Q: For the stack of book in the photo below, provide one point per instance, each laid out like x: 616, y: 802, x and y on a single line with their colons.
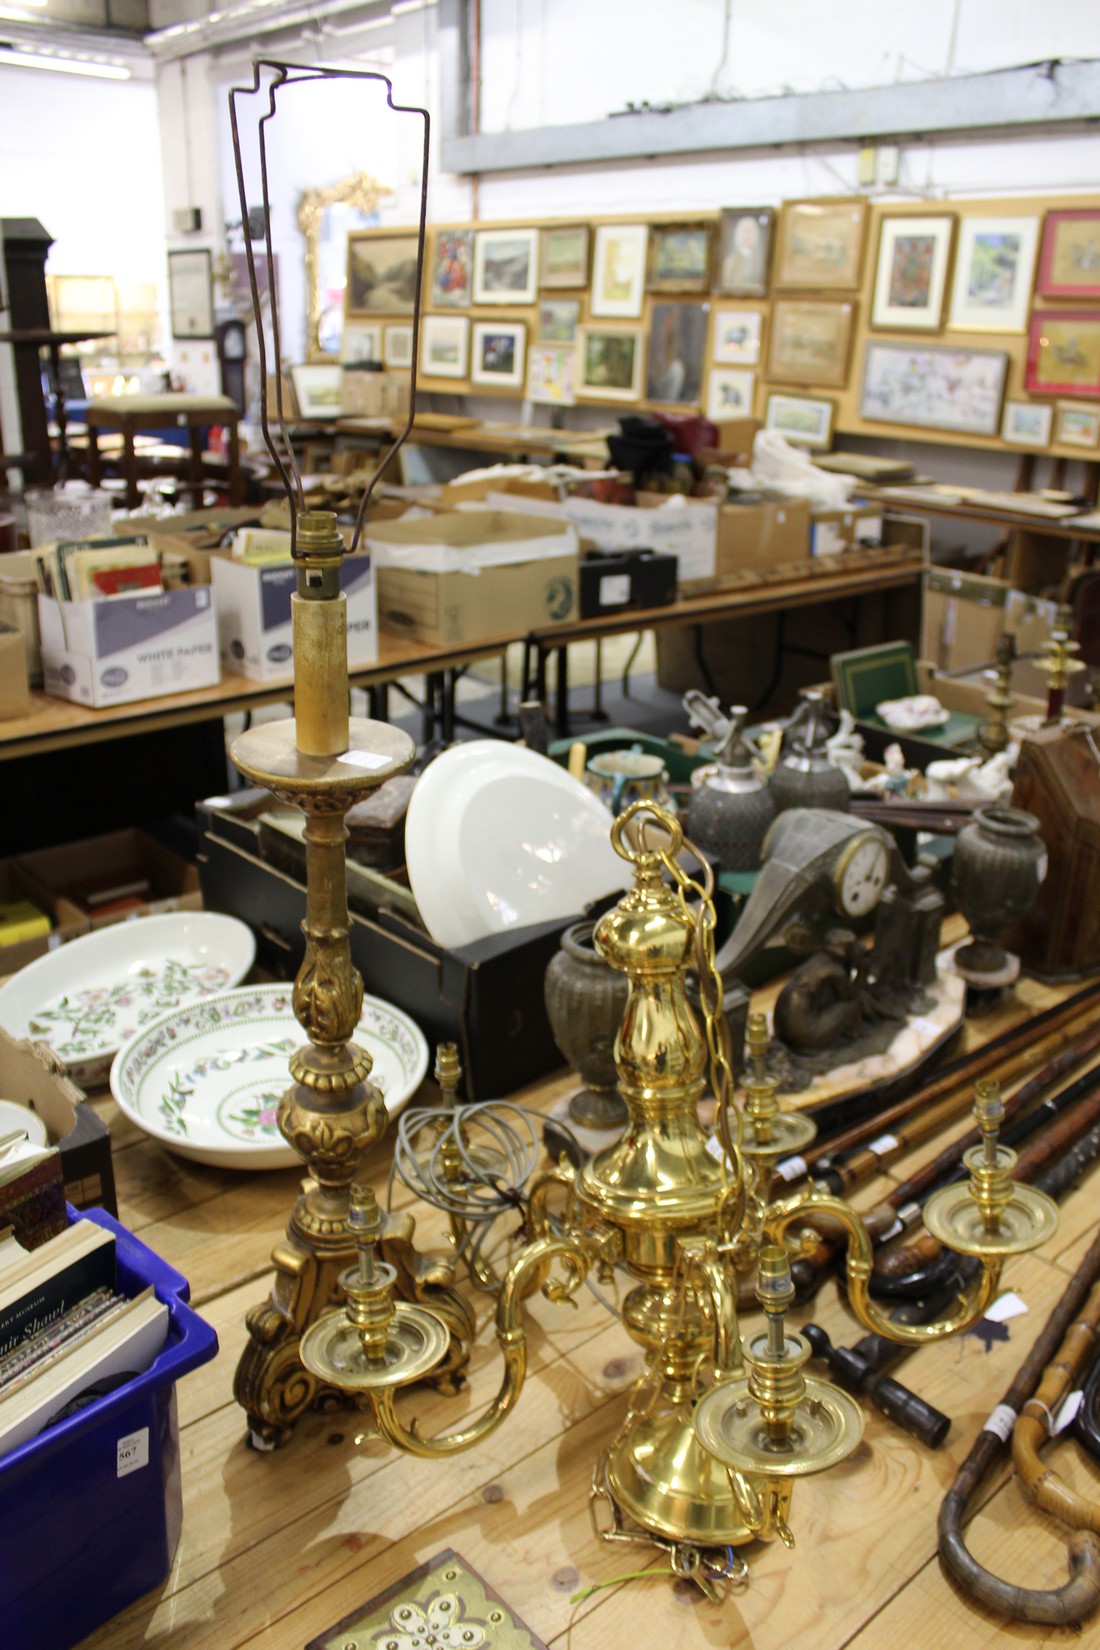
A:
x: 81, y: 570
x: 67, y: 1336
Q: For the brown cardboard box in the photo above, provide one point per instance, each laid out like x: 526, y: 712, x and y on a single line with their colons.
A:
x: 367, y: 394
x: 49, y: 874
x: 31, y: 1077
x: 496, y: 480
x: 473, y: 574
x: 15, y: 699
x: 963, y: 618
x: 834, y: 531
x: 66, y: 922
x: 758, y: 538
x: 735, y: 440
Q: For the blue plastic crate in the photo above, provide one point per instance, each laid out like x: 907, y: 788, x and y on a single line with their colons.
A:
x: 90, y: 1512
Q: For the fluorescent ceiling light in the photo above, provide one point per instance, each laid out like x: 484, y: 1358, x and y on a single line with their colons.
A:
x: 64, y: 65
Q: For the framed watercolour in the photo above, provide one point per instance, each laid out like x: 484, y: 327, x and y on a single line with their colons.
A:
x: 1063, y: 352
x: 563, y: 255
x: 744, y: 251
x: 397, y: 346
x: 444, y: 346
x: 318, y: 390
x: 821, y: 244
x: 505, y: 267
x: 191, y: 294
x: 810, y: 342
x: 618, y: 271
x: 559, y: 319
x: 994, y: 265
x: 1027, y: 424
x: 737, y: 336
x: 361, y: 341
x: 609, y: 363
x: 381, y: 272
x: 729, y: 392
x: 498, y: 354
x: 676, y: 354
x: 934, y: 386
x: 679, y: 257
x: 803, y: 420
x: 452, y: 268
x: 1077, y: 426
x: 551, y: 374
x: 911, y: 274
x: 1069, y: 264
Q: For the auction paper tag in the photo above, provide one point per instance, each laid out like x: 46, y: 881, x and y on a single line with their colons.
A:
x: 365, y: 759
x: 791, y: 1168
x: 885, y: 1143
x: 1001, y: 1422
x: 132, y: 1452
x: 1005, y: 1307
x: 614, y: 589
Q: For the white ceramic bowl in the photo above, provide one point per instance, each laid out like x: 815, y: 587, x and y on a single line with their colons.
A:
x: 206, y: 1080
x: 86, y: 998
x: 498, y: 837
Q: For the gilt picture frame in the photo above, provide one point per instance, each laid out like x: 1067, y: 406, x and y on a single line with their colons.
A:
x: 445, y: 346
x: 505, y: 266
x: 744, y: 252
x: 609, y: 363
x: 810, y: 342
x: 911, y: 274
x: 1063, y: 352
x: 618, y: 271
x: 1069, y: 262
x: 821, y: 245
x: 803, y: 420
x: 381, y: 272
x: 994, y: 270
x: 499, y: 354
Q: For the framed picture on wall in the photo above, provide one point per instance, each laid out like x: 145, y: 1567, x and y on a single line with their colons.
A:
x: 559, y: 319
x: 1027, y: 423
x: 744, y: 251
x: 933, y: 385
x: 1069, y: 264
x: 1063, y: 352
x: 730, y: 392
x: 563, y: 255
x: 444, y: 346
x: 618, y: 270
x: 994, y: 266
x: 609, y: 363
x: 397, y: 345
x: 911, y: 274
x: 821, y: 244
x: 504, y: 266
x: 498, y: 354
x: 191, y: 294
x: 803, y: 420
x: 381, y: 277
x: 737, y: 336
x: 452, y: 268
x: 679, y: 258
x: 810, y: 342
x: 551, y: 374
x: 1077, y: 426
x: 676, y: 353
x: 361, y: 342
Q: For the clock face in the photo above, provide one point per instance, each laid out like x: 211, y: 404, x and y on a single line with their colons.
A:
x: 861, y: 876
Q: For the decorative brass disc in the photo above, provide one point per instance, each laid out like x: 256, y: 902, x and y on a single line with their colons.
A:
x: 416, y: 1342
x: 952, y: 1216
x: 826, y: 1428
x: 791, y: 1131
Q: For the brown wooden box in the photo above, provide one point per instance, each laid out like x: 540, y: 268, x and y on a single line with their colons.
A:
x: 1058, y: 780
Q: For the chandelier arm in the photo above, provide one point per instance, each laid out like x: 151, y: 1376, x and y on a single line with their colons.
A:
x: 972, y: 1303
x: 716, y: 1276
x: 512, y: 1338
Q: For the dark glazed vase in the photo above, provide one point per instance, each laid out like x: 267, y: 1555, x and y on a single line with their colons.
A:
x: 585, y: 1001
x: 999, y: 864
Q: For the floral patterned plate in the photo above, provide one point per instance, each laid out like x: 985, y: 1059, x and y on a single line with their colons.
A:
x: 86, y: 998
x: 205, y: 1080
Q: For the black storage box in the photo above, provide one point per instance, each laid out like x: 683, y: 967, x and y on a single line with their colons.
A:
x: 486, y: 997
x: 612, y: 581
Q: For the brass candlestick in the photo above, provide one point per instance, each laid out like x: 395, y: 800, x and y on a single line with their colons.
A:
x: 1060, y: 662
x: 994, y: 735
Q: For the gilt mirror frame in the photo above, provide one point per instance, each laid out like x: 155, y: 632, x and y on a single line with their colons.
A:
x: 361, y: 192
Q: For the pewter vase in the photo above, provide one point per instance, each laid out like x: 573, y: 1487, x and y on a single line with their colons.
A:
x: 585, y: 1002
x: 999, y: 864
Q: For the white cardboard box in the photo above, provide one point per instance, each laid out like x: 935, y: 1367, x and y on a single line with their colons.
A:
x: 121, y: 648
x: 254, y: 623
